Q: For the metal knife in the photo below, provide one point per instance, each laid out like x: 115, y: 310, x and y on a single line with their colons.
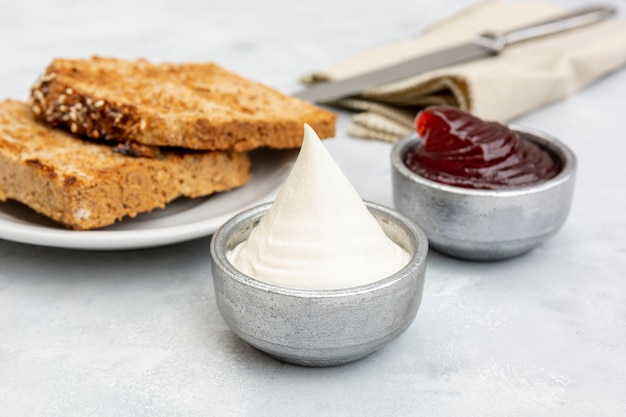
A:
x: 484, y: 45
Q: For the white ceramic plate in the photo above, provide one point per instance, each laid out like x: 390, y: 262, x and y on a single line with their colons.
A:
x: 181, y: 220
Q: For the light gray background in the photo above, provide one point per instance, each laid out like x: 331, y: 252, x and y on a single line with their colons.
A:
x: 137, y: 333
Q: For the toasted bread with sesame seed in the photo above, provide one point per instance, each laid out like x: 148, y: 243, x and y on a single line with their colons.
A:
x: 190, y: 105
x: 86, y: 185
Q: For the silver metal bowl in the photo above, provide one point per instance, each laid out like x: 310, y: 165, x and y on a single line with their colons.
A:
x: 319, y: 327
x: 486, y: 224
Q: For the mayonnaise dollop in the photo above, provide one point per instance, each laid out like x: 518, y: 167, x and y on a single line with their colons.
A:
x: 318, y: 234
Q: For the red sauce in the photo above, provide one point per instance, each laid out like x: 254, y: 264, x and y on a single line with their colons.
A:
x: 461, y: 150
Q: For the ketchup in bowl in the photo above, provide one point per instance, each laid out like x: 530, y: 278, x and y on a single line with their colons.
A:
x: 462, y: 150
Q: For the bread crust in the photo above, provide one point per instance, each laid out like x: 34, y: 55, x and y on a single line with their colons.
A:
x: 192, y: 105
x: 85, y: 185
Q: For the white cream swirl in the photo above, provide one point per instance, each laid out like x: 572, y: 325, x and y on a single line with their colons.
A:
x: 318, y: 234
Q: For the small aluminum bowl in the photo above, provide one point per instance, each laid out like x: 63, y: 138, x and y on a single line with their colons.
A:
x: 319, y: 327
x: 485, y: 224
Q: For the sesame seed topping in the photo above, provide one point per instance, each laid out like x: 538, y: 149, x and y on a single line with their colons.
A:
x: 38, y: 95
x: 48, y: 77
x: 74, y: 127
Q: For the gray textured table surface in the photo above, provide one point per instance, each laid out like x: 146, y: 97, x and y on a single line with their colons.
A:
x: 137, y: 332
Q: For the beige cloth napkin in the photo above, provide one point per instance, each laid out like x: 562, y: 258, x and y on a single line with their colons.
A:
x: 523, y: 77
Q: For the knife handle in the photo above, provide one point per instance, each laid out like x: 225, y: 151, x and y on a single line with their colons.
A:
x: 568, y: 21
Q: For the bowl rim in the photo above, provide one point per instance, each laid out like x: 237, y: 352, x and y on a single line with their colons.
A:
x: 543, y: 139
x: 218, y: 256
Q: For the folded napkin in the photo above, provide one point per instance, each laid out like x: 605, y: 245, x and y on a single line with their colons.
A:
x: 523, y: 77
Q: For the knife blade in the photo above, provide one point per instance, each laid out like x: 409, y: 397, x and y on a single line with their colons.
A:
x: 482, y: 46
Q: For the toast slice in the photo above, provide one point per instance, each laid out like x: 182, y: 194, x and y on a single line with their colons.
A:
x: 191, y: 105
x: 86, y: 185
